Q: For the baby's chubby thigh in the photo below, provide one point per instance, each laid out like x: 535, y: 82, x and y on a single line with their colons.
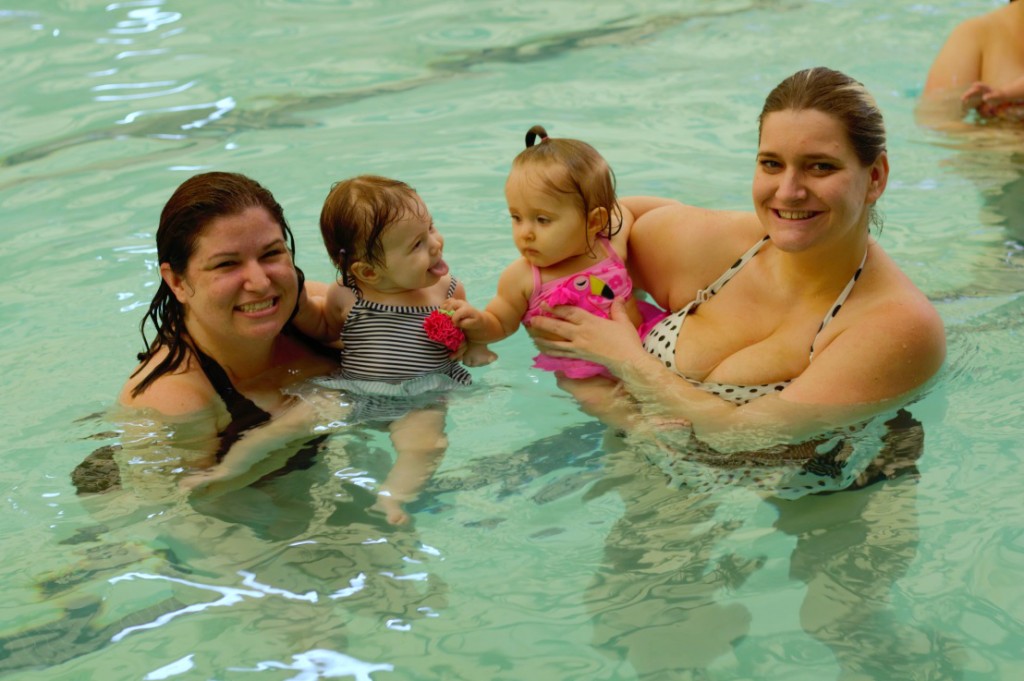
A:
x: 601, y: 397
x: 421, y: 432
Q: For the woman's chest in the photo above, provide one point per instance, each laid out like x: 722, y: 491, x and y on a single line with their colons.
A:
x: 744, y: 344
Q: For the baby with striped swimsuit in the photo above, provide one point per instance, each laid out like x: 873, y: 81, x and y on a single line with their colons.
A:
x: 381, y: 237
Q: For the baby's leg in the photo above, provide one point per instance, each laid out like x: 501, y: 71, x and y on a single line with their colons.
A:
x: 420, y: 443
x: 602, y: 398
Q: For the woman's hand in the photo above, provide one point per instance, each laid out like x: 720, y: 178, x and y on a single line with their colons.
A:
x: 611, y: 342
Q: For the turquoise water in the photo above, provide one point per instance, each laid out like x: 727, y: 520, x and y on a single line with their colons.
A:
x: 537, y: 552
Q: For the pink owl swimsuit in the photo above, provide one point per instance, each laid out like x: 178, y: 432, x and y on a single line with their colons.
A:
x: 592, y: 289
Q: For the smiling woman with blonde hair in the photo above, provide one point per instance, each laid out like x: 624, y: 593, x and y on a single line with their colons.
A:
x: 787, y: 321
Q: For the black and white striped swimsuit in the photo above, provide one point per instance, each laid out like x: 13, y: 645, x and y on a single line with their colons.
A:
x: 661, y: 340
x: 387, y: 352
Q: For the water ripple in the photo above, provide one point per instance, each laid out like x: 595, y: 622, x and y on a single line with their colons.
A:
x: 142, y: 20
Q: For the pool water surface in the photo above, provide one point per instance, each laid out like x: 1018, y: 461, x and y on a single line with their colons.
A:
x: 543, y: 548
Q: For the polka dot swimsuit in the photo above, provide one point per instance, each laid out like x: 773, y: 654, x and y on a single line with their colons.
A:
x: 661, y: 340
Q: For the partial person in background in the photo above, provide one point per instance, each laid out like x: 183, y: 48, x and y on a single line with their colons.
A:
x: 979, y: 69
x: 974, y: 94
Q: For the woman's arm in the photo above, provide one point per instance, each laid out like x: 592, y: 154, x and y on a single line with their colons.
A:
x: 958, y: 63
x: 183, y: 393
x: 260, y: 450
x: 676, y: 249
x: 955, y: 69
x: 637, y: 206
x: 876, y: 363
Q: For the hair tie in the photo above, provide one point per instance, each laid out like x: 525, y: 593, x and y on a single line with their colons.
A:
x: 535, y: 132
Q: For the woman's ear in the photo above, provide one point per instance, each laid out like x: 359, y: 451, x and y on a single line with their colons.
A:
x: 879, y: 174
x: 179, y: 287
x: 597, y: 220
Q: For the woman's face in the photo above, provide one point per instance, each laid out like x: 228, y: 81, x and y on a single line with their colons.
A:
x: 240, y: 280
x: 809, y: 186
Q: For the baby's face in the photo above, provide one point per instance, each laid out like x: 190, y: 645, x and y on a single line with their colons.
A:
x: 413, y: 250
x: 548, y: 227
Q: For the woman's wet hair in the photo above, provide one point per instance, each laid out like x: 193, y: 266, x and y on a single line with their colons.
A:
x: 354, y: 216
x: 838, y: 95
x: 196, y: 203
x: 576, y: 169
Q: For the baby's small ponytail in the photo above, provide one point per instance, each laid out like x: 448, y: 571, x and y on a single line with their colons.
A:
x: 533, y: 133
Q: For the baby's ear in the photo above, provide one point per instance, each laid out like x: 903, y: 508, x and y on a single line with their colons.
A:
x: 597, y: 220
x: 364, y: 272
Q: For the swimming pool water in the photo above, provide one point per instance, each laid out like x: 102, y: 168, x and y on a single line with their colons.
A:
x: 540, y: 550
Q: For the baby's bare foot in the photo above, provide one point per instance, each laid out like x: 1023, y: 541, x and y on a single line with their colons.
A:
x: 392, y: 509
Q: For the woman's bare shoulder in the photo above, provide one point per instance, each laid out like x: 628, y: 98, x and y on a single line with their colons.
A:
x: 686, y: 225
x: 181, y: 392
x: 676, y: 249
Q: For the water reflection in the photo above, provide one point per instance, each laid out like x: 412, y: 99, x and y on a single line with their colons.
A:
x: 299, y: 554
x: 992, y: 159
x: 676, y: 594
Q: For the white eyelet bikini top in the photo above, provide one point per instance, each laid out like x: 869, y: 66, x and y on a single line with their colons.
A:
x: 661, y: 340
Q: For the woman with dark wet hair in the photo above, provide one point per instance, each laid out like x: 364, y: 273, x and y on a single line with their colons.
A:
x: 224, y: 349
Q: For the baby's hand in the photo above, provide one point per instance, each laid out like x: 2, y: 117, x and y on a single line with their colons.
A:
x: 477, y: 355
x: 464, y: 315
x: 992, y: 102
x: 1004, y: 103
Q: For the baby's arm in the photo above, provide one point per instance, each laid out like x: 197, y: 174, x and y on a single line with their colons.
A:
x: 474, y: 354
x: 501, y: 317
x: 322, y: 317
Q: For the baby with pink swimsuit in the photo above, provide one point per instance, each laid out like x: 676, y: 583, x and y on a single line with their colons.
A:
x: 568, y: 228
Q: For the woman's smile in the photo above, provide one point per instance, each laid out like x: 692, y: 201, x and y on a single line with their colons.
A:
x: 795, y: 214
x: 260, y: 308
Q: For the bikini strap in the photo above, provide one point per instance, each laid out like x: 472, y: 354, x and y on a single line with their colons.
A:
x: 834, y: 310
x: 705, y: 294
x: 609, y: 252
x: 244, y: 412
x: 536, y: 278
x: 451, y: 286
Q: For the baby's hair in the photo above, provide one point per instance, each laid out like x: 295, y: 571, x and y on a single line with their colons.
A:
x: 577, y: 170
x: 355, y: 214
